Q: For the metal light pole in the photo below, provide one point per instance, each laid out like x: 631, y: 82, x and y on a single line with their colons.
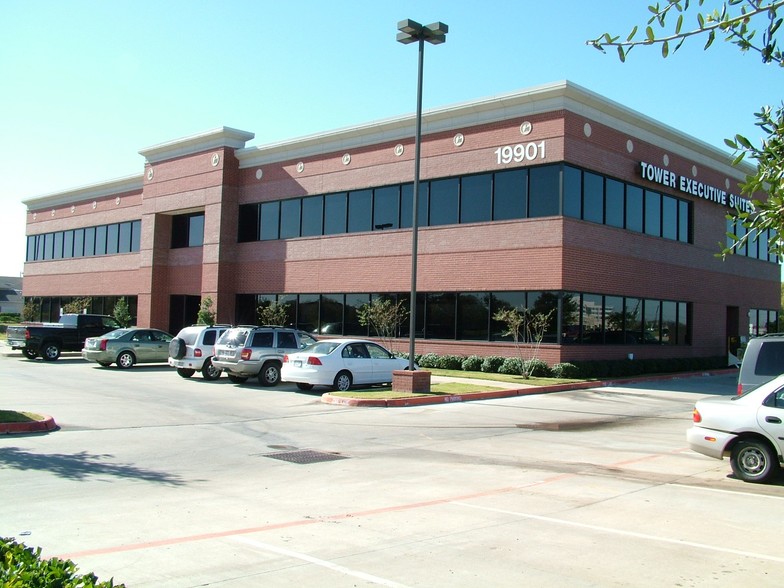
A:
x: 435, y: 34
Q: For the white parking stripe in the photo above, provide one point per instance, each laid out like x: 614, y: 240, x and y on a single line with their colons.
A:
x: 319, y: 562
x: 625, y: 533
x: 753, y: 495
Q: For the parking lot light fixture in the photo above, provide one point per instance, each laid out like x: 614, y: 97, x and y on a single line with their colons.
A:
x: 411, y: 31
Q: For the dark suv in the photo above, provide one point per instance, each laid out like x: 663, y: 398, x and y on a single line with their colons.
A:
x: 247, y: 351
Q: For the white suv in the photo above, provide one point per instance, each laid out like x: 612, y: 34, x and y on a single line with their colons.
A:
x: 192, y: 350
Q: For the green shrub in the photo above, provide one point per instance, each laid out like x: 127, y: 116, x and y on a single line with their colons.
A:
x: 23, y: 567
x: 450, y: 362
x: 10, y: 317
x: 491, y: 364
x: 565, y: 371
x: 511, y: 366
x: 537, y: 368
x: 428, y: 360
x: 472, y: 364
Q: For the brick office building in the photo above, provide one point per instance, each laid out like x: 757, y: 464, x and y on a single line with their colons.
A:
x: 553, y: 198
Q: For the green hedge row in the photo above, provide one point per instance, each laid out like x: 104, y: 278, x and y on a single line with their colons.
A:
x: 579, y: 369
x: 23, y: 567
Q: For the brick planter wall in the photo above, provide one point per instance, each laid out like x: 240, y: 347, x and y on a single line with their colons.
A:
x: 407, y: 381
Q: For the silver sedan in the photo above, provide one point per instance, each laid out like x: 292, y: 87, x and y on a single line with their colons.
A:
x: 127, y: 347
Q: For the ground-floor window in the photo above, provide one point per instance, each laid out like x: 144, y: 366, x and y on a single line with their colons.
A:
x: 762, y: 321
x: 49, y: 308
x: 574, y: 318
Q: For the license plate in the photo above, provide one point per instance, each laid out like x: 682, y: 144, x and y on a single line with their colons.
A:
x: 298, y: 363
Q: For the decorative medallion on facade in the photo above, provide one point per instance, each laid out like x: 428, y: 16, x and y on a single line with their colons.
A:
x: 458, y: 140
x: 73, y: 209
x: 399, y: 149
x: 117, y: 201
x: 666, y: 160
x: 300, y: 167
x: 526, y: 128
x: 629, y: 146
x: 259, y: 174
x: 346, y: 158
x: 150, y: 174
x: 215, y: 160
x: 94, y: 204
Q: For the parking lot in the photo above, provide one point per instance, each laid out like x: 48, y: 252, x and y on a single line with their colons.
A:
x: 159, y: 481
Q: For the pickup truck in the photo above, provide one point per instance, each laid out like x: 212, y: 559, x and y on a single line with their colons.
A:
x: 49, y: 339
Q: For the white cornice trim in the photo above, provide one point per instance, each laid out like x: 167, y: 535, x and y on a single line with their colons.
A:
x: 563, y: 95
x: 220, y: 137
x: 92, y: 191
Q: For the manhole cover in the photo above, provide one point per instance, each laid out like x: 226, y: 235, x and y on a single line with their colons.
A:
x: 304, y: 456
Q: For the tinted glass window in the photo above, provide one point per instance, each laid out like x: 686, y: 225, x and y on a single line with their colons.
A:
x: 359, y: 211
x: 440, y: 316
x: 312, y: 215
x: 503, y: 301
x: 100, y: 240
x: 262, y: 339
x: 112, y: 238
x: 510, y: 194
x: 475, y: 193
x: 614, y: 211
x: 209, y: 338
x: 125, y: 238
x: 592, y: 318
x: 331, y: 322
x: 351, y: 322
x: 444, y: 202
x: 335, y: 212
x: 196, y: 230
x: 544, y: 191
x: 308, y: 312
x: 406, y: 211
x: 473, y: 316
x: 270, y: 221
x: 136, y: 235
x: 572, y: 205
x: 683, y: 221
x: 58, y: 245
x: 287, y: 340
x: 289, y: 218
x: 89, y: 241
x: 386, y: 208
x: 593, y: 197
x: 669, y: 218
x: 30, y: 248
x: 634, y: 208
x: 248, y: 223
x: 68, y: 237
x: 770, y: 360
x: 653, y: 213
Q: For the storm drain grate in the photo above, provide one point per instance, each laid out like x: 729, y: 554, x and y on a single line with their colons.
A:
x: 305, y: 456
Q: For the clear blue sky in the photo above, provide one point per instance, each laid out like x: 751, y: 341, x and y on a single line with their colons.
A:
x: 87, y: 84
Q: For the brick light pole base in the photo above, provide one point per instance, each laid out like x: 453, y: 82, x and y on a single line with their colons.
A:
x: 406, y: 381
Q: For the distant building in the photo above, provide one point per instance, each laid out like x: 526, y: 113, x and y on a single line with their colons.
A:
x: 11, y: 300
x: 553, y: 198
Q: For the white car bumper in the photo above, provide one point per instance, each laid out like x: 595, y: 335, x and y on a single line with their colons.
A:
x: 708, y: 441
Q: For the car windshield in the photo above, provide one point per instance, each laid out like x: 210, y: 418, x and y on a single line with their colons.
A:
x: 323, y: 348
x: 234, y: 337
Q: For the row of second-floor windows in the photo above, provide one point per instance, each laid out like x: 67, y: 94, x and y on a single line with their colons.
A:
x: 756, y: 245
x: 85, y: 242
x: 573, y: 318
x: 549, y: 190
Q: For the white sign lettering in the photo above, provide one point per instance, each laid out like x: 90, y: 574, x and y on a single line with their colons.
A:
x: 520, y: 152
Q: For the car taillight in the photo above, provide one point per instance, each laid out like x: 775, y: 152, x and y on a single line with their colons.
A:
x: 245, y: 354
x: 104, y: 342
x: 286, y: 358
x: 197, y: 352
x: 27, y: 333
x: 314, y: 361
x: 740, y: 388
x: 696, y: 416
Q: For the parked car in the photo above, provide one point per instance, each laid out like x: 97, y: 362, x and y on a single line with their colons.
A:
x: 248, y: 352
x: 127, y: 347
x: 192, y: 350
x: 762, y: 361
x: 49, y: 339
x: 341, y: 363
x: 749, y: 428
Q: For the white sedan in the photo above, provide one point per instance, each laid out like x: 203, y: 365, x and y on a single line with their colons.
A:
x: 749, y: 428
x: 341, y: 363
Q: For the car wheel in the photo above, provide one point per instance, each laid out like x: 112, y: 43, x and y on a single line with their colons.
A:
x: 50, y: 351
x: 237, y: 379
x: 185, y: 372
x: 270, y: 374
x: 342, y: 381
x: 304, y: 386
x: 125, y: 360
x: 30, y: 353
x: 104, y: 363
x: 177, y: 348
x: 753, y: 461
x: 209, y: 371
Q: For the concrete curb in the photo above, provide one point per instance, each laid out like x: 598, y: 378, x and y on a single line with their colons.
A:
x: 42, y: 426
x: 495, y: 394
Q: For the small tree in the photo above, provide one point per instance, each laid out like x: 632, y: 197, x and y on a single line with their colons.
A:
x: 77, y: 305
x: 273, y: 314
x: 525, y: 327
x: 31, y: 310
x: 206, y: 315
x: 384, y: 316
x: 122, y: 313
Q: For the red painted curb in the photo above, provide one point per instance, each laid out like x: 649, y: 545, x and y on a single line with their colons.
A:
x: 47, y: 424
x: 446, y: 399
